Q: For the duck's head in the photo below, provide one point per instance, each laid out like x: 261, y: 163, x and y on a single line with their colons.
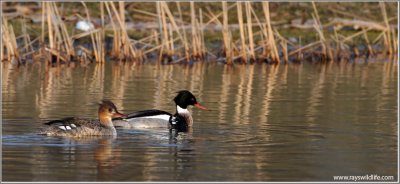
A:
x: 185, y: 98
x: 107, y: 110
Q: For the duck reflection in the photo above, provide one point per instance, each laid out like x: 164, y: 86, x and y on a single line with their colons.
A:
x: 178, y: 137
x: 107, y: 157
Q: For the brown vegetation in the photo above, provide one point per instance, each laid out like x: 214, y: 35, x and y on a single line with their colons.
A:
x: 176, y: 39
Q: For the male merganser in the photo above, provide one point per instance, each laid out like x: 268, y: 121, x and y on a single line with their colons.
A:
x: 153, y: 118
x: 79, y: 127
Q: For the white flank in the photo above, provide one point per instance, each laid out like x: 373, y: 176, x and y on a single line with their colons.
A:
x: 182, y: 110
x: 68, y: 127
x: 73, y: 125
x: 162, y: 116
x: 62, y: 127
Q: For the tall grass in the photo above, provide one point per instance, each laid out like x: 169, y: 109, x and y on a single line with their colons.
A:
x: 9, y: 43
x: 122, y: 48
x: 326, y: 49
x: 226, y: 34
x: 270, y: 49
x: 181, y: 35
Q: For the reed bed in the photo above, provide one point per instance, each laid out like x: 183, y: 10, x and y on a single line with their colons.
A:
x: 9, y: 44
x: 248, y: 35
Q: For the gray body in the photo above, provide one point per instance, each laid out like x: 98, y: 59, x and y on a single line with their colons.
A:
x: 142, y: 123
x: 77, y: 127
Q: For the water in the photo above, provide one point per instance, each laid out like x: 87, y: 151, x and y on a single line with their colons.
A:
x: 267, y: 123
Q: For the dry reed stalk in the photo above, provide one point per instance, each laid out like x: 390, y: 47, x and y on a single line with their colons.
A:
x: 128, y: 50
x: 156, y: 40
x: 27, y: 47
x: 300, y: 54
x: 2, y: 52
x: 58, y: 35
x: 43, y: 21
x: 283, y: 42
x: 116, y: 45
x: 195, y: 40
x: 270, y: 35
x: 215, y: 17
x: 395, y: 41
x: 9, y: 42
x: 203, y: 43
x: 160, y: 55
x: 49, y: 25
x: 243, y: 49
x: 98, y: 46
x: 185, y: 41
x: 250, y: 31
x: 57, y: 54
x: 171, y: 51
x: 226, y: 34
x: 336, y: 39
x: 378, y: 38
x: 349, y: 38
x: 285, y: 51
x: 260, y: 25
x: 356, y: 52
x: 165, y: 37
x: 211, y: 16
x: 85, y: 50
x: 263, y: 32
x: 102, y: 33
x: 194, y: 30
x: 125, y: 39
x: 159, y: 46
x: 199, y: 38
x: 6, y: 44
x: 158, y: 8
x: 24, y: 37
x: 388, y: 40
x: 326, y: 49
x: 370, y: 50
x: 13, y: 42
x: 171, y: 19
x: 308, y: 46
x: 57, y: 32
x: 64, y: 36
x: 153, y: 15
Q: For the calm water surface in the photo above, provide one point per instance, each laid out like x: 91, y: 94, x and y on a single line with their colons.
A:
x: 266, y: 123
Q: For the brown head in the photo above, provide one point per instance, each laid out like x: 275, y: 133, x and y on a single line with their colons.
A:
x: 107, y: 111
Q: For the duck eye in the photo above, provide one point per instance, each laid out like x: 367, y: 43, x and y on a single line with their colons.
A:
x: 110, y: 110
x: 192, y: 99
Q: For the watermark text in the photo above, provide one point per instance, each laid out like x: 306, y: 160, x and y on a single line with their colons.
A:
x: 367, y: 177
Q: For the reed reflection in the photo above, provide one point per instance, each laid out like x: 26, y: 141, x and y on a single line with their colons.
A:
x: 266, y: 121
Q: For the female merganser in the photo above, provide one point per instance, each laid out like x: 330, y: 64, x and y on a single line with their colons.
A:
x: 153, y: 118
x: 79, y: 127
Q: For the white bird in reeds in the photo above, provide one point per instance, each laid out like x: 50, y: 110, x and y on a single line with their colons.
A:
x: 84, y: 25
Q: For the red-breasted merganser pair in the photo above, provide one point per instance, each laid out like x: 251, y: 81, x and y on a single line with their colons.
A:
x: 79, y: 127
x: 181, y: 120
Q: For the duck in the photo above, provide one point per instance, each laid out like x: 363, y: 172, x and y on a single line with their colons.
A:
x: 81, y: 127
x: 181, y: 121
